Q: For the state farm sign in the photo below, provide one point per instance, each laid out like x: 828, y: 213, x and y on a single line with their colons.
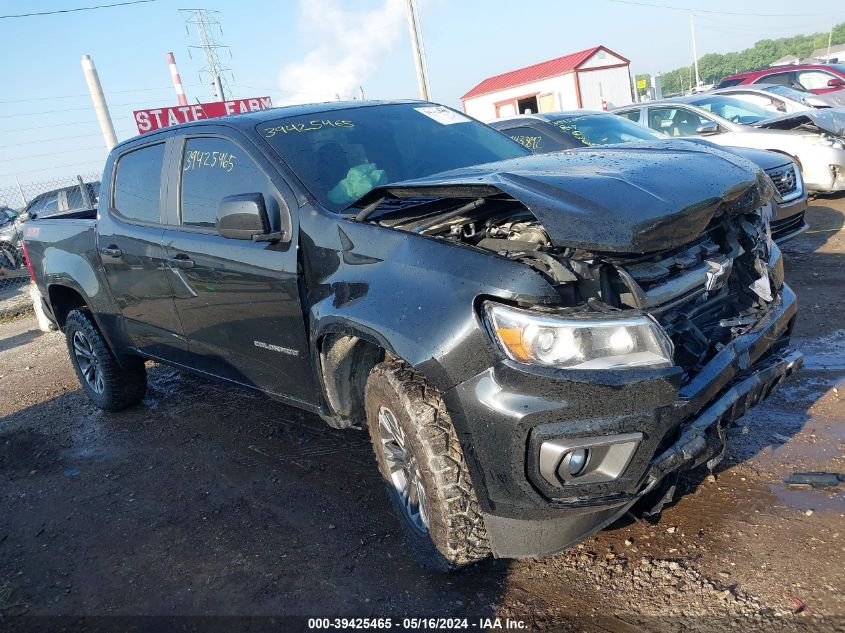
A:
x: 157, y: 118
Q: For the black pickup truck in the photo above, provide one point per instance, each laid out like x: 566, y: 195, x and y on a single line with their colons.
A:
x: 534, y: 342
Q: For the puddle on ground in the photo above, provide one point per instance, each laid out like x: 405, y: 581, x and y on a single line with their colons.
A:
x: 815, y: 499
x: 823, y: 352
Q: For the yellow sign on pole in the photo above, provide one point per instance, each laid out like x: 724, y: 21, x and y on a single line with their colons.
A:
x: 642, y: 84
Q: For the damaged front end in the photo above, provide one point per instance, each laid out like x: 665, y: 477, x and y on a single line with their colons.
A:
x: 673, y: 319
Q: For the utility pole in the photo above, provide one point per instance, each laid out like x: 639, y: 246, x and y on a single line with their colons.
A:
x: 99, y: 100
x: 829, y: 38
x: 177, y: 80
x: 694, y: 52
x: 361, y: 92
x: 418, y: 50
x: 204, y: 22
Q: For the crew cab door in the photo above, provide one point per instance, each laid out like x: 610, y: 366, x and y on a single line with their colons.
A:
x: 237, y: 299
x: 129, y: 232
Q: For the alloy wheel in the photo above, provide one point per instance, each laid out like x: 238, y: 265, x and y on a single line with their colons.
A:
x: 405, y: 474
x: 89, y: 364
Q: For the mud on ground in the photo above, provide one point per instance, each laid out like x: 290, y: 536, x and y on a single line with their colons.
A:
x: 211, y: 500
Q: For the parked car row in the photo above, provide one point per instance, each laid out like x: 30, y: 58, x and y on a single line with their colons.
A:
x: 567, y: 130
x: 820, y: 79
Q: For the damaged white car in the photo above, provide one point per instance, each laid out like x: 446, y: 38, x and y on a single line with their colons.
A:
x: 813, y: 139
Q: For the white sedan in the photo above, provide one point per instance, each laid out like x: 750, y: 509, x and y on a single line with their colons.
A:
x: 730, y: 121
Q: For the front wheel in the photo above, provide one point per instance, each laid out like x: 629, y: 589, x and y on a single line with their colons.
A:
x: 9, y: 258
x: 424, y: 469
x: 110, y: 385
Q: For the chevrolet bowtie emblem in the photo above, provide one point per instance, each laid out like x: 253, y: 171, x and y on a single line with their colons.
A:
x: 717, y: 274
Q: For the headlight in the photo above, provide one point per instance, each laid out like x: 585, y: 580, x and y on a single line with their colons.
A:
x: 829, y: 141
x: 579, y: 343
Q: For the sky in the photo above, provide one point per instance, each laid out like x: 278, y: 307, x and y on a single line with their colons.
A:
x: 312, y: 50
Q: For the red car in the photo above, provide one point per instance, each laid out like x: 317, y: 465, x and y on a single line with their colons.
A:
x: 817, y: 78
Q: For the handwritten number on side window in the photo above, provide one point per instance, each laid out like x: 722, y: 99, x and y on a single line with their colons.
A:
x: 196, y: 159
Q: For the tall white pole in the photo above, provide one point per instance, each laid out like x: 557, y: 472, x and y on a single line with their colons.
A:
x: 694, y: 52
x: 422, y: 80
x: 177, y: 80
x: 99, y: 100
x: 829, y: 38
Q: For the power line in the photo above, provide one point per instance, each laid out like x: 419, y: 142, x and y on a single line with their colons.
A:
x: 99, y: 6
x: 29, y: 171
x: 114, y: 105
x: 48, y: 140
x: 691, y: 10
x: 86, y: 94
x: 65, y: 151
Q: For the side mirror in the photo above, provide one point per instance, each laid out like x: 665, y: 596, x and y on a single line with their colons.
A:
x: 836, y: 82
x: 707, y: 129
x: 243, y: 217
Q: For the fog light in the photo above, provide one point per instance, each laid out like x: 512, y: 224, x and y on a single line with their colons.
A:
x: 577, y: 461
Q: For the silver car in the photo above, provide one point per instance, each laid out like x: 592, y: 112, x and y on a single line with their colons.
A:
x: 781, y: 99
x: 726, y: 120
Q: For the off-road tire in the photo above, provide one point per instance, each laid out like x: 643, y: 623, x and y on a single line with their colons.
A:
x: 124, y: 384
x: 456, y: 536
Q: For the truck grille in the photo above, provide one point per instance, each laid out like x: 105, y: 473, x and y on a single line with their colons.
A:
x: 702, y: 294
x: 786, y: 181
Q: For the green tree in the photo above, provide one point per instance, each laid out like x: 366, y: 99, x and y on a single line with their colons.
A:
x: 713, y: 66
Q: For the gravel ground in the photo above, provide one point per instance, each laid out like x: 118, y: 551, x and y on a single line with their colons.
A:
x: 207, y: 500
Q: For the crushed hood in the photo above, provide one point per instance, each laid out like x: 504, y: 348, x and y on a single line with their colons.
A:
x: 825, y: 120
x: 636, y: 198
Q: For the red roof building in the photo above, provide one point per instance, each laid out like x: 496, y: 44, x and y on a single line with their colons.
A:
x: 593, y: 78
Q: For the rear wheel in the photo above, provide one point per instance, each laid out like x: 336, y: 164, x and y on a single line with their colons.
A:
x: 110, y: 385
x: 424, y: 469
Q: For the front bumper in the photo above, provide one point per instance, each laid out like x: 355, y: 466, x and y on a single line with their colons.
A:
x: 788, y: 218
x: 824, y: 170
x: 505, y: 414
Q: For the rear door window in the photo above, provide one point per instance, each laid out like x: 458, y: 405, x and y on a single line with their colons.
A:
x: 676, y: 122
x: 631, y: 115
x: 814, y: 79
x: 212, y: 169
x: 137, y: 186
x: 783, y: 79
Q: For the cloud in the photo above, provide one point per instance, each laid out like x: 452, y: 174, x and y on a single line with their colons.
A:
x: 348, y: 48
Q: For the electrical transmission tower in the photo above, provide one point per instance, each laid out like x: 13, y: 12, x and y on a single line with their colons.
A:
x: 205, y: 22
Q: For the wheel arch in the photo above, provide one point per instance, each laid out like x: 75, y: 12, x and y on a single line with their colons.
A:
x: 63, y: 299
x: 345, y: 355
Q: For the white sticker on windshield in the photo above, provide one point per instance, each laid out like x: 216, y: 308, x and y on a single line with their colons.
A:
x: 442, y: 114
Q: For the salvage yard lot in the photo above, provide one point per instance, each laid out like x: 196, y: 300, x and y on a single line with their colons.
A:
x: 211, y: 500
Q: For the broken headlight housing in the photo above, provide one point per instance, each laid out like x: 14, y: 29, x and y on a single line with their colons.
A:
x: 831, y: 141
x: 598, y: 342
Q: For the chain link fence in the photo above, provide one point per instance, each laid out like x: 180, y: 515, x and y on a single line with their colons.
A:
x: 43, y: 198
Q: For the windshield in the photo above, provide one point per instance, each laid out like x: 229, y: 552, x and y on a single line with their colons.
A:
x: 733, y: 109
x: 603, y: 129
x: 789, y: 93
x: 340, y: 155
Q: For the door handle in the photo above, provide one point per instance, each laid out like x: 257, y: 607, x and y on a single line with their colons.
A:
x: 113, y: 251
x: 182, y: 261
